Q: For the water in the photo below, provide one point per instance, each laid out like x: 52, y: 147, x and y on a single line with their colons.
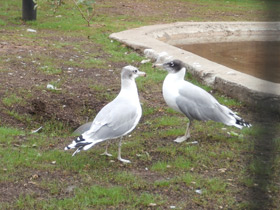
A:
x: 250, y: 57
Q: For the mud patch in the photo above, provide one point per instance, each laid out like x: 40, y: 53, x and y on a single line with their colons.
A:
x: 35, y: 183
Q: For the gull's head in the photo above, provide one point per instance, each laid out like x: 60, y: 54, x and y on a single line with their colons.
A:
x: 131, y: 72
x: 173, y: 66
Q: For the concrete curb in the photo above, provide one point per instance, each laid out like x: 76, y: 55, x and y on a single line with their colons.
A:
x: 246, y: 88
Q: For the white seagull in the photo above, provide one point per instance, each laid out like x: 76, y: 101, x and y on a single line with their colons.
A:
x: 116, y: 119
x: 193, y: 101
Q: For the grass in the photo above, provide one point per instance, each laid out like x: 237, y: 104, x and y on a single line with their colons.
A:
x: 11, y: 100
x: 27, y: 119
x: 95, y: 62
x: 50, y: 70
x: 125, y: 178
x: 41, y: 175
x: 93, y: 197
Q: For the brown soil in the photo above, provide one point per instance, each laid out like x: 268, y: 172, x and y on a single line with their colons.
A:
x: 22, y: 76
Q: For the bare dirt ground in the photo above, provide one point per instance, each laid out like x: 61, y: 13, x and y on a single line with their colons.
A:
x: 45, y: 104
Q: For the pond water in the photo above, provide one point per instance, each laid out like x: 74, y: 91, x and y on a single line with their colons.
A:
x: 257, y: 58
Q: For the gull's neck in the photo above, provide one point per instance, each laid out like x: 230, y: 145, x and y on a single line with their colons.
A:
x: 180, y: 75
x: 170, y: 88
x: 128, y: 87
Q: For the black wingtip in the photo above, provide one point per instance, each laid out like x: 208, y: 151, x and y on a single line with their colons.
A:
x: 243, y: 123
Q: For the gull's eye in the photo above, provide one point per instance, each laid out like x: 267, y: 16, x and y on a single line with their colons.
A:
x: 171, y: 64
x: 135, y: 71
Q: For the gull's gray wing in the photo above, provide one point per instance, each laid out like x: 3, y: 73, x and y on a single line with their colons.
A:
x: 198, y: 104
x: 83, y: 128
x: 115, y: 119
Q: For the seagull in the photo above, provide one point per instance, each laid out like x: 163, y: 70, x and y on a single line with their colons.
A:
x: 116, y: 119
x: 194, y: 102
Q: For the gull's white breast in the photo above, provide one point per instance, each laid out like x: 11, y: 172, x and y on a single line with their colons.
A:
x: 170, y: 91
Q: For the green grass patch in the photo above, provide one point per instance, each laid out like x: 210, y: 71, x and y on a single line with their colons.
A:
x: 27, y: 119
x: 128, y: 179
x: 162, y: 183
x: 2, y: 22
x: 49, y: 70
x: 96, y: 62
x: 9, y: 133
x: 168, y: 121
x: 96, y: 196
x: 97, y: 87
x: 12, y: 99
x: 172, y: 132
x: 179, y: 163
x: 148, y: 110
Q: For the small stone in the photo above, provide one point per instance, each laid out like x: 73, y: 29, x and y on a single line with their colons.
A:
x: 193, y: 142
x: 152, y: 204
x: 49, y: 86
x: 31, y: 30
x: 222, y: 170
x: 145, y: 61
x: 198, y: 191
